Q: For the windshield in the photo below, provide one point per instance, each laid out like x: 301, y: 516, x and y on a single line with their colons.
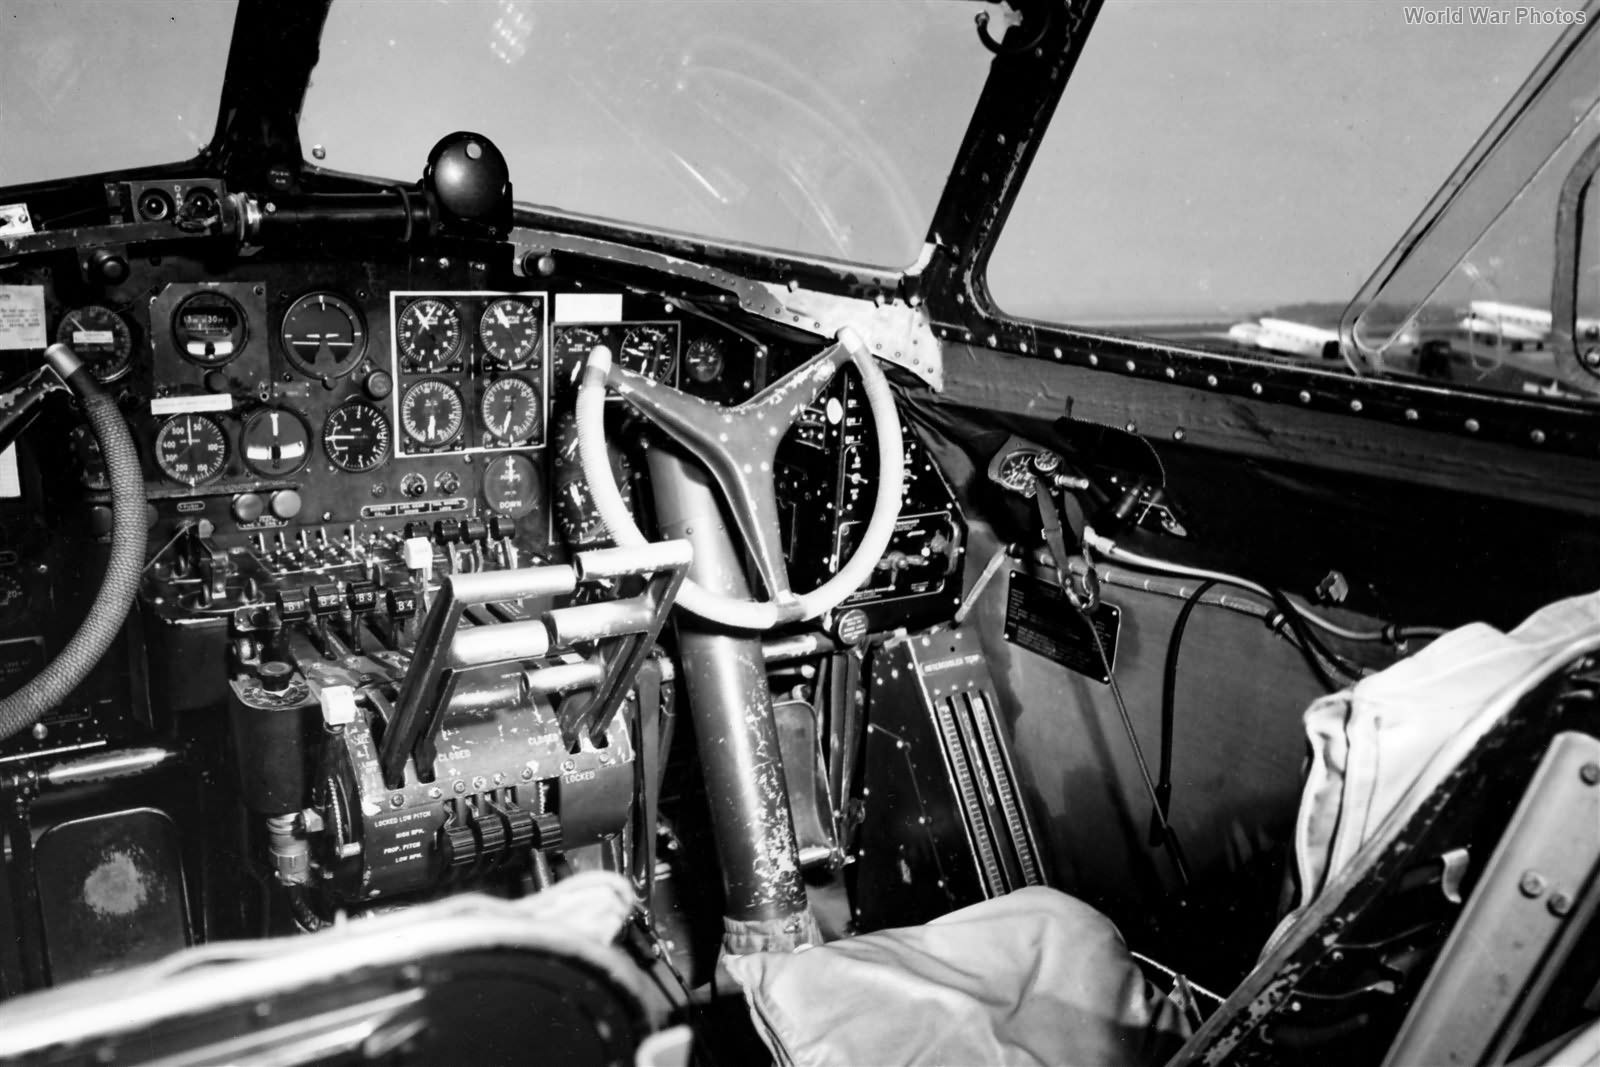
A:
x: 1232, y: 172
x: 89, y: 87
x: 819, y: 128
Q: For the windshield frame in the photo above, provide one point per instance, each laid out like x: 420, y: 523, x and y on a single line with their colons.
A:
x: 257, y: 147
x: 1009, y: 124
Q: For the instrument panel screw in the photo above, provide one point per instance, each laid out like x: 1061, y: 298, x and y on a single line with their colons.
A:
x: 527, y: 774
x: 1537, y: 437
x: 398, y: 800
x: 460, y: 786
x: 1559, y: 904
x: 498, y: 778
x: 1591, y: 358
x: 568, y: 765
x: 1178, y: 434
x: 1532, y: 884
x: 1590, y: 773
x: 479, y: 782
x: 435, y: 793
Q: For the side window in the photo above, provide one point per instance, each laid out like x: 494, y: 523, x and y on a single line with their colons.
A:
x: 1228, y: 174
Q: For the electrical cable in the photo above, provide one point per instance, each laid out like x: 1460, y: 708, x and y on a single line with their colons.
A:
x: 1169, y: 687
x: 1169, y: 836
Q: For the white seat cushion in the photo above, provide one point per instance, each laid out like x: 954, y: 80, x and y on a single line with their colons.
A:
x: 1033, y: 978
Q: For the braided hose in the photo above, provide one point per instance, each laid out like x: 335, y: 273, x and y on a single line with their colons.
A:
x: 120, y: 585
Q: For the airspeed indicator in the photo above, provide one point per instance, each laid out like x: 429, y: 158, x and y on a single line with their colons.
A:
x: 191, y: 449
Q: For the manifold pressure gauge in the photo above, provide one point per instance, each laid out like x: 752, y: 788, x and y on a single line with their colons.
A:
x: 431, y: 413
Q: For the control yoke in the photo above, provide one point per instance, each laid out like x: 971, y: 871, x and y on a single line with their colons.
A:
x: 622, y: 631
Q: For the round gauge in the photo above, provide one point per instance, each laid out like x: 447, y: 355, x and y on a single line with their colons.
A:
x: 356, y: 437
x: 275, y: 443
x: 191, y: 449
x: 571, y: 348
x: 209, y: 329
x: 101, y: 338
x: 703, y: 360
x: 13, y: 598
x: 323, y: 335
x: 511, y: 486
x: 1016, y: 472
x: 649, y: 350
x: 575, y: 511
x: 431, y: 412
x: 510, y: 410
x: 509, y: 331
x: 429, y: 334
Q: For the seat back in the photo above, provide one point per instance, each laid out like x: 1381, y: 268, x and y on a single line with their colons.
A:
x: 1407, y: 947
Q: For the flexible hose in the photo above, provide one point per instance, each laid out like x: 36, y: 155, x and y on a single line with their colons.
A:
x: 1388, y: 634
x: 120, y: 586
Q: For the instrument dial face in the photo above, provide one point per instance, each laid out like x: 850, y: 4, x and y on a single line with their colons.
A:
x: 13, y: 598
x: 209, y: 329
x: 571, y: 352
x: 356, y: 437
x: 1016, y: 472
x: 101, y: 338
x: 575, y: 511
x: 649, y: 350
x: 323, y: 335
x: 703, y: 360
x: 510, y: 330
x: 510, y: 411
x: 512, y: 486
x: 191, y: 449
x: 429, y: 334
x: 431, y: 413
x: 275, y: 443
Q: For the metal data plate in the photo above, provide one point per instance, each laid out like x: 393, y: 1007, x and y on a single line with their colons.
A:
x: 1041, y: 619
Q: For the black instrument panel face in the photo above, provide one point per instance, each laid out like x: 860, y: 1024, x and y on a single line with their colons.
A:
x: 329, y: 396
x: 470, y: 371
x: 650, y: 348
x: 321, y: 398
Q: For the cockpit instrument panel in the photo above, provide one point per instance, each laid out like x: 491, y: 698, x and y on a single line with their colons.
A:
x: 471, y: 372
x: 648, y: 348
